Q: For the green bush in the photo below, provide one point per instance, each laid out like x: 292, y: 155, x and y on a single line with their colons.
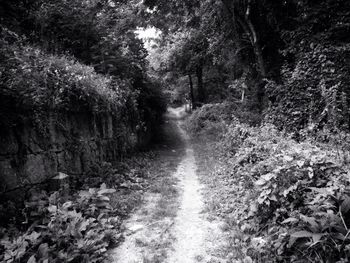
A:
x: 284, y: 200
x: 34, y: 83
x: 213, y: 120
x: 39, y: 80
x: 79, y: 229
x: 76, y: 225
x: 315, y: 91
x: 210, y: 120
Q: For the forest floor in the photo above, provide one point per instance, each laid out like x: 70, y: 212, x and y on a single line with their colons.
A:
x: 172, y: 224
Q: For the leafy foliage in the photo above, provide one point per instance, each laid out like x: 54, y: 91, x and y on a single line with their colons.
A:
x: 214, y: 120
x: 211, y: 119
x: 76, y: 225
x: 289, y: 58
x: 79, y: 229
x: 282, y: 200
x: 39, y: 80
x: 81, y: 55
x: 297, y: 190
x: 314, y: 92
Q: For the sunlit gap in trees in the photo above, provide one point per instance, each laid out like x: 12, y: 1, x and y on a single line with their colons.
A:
x: 149, y: 36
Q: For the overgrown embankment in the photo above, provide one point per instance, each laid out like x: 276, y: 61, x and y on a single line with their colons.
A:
x: 282, y: 200
x: 81, y: 225
x: 58, y: 115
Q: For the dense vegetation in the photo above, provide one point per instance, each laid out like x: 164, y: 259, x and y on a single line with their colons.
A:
x: 60, y: 55
x: 71, y: 57
x: 273, y: 76
x: 74, y: 224
x: 269, y: 83
x: 283, y: 200
x: 287, y: 60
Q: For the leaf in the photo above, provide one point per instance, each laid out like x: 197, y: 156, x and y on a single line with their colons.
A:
x: 8, y: 256
x: 85, y: 194
x: 300, y: 163
x: 21, y: 250
x: 53, y: 198
x: 268, y: 176
x: 290, y: 189
x: 32, y: 259
x: 317, y: 237
x: 312, y: 221
x: 273, y: 198
x: 310, y: 172
x: 287, y: 158
x: 43, y: 251
x: 345, y: 205
x: 33, y: 236
x: 52, y: 209
x: 264, y: 179
x: 67, y: 205
x: 323, y: 191
x: 84, y: 225
x: 290, y: 220
x: 106, y: 191
x: 248, y: 259
x: 104, y: 198
x: 260, y: 182
x: 301, y: 234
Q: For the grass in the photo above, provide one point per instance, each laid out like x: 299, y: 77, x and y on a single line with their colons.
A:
x: 170, y: 150
x: 161, y: 199
x: 207, y: 163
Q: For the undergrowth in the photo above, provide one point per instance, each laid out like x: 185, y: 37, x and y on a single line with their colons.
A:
x: 76, y: 225
x: 212, y: 120
x: 283, y: 200
x: 37, y: 80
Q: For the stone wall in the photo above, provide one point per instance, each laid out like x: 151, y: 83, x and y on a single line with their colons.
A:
x: 68, y: 142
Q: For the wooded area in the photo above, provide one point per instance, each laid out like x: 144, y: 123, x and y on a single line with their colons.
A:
x: 82, y: 94
x: 285, y: 60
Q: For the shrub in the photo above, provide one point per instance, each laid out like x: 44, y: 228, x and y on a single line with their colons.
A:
x: 76, y: 230
x: 285, y: 200
x: 210, y: 120
x: 213, y: 120
x: 77, y: 225
x: 39, y: 80
x: 314, y: 91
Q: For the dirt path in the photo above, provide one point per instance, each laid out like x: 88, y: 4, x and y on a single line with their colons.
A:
x: 172, y: 228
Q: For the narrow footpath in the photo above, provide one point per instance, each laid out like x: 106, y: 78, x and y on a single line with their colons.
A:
x: 171, y: 226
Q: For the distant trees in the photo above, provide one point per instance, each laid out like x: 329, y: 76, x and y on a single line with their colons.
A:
x: 222, y: 41
x: 190, y: 58
x: 257, y: 52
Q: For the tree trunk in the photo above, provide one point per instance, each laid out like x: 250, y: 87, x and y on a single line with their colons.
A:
x: 259, y: 57
x: 248, y: 27
x: 200, y: 86
x: 238, y: 45
x: 256, y: 43
x: 242, y: 18
x: 193, y: 104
